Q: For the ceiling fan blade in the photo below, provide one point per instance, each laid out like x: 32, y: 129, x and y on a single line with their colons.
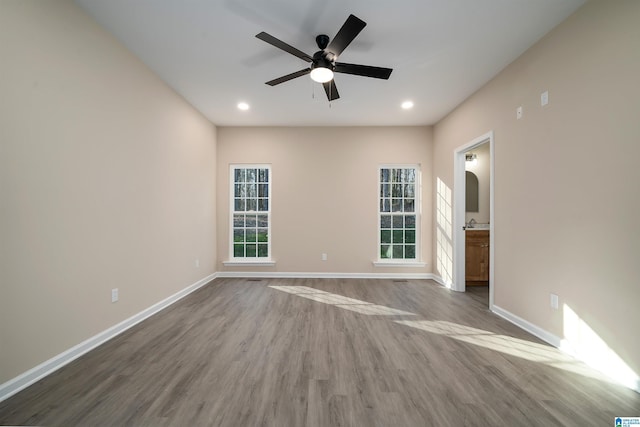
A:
x: 284, y: 46
x: 331, y: 90
x: 288, y: 77
x: 363, y: 70
x: 350, y: 29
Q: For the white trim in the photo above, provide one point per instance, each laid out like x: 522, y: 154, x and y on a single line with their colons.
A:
x: 303, y: 275
x: 232, y: 168
x: 438, y: 279
x: 256, y: 262
x: 33, y: 375
x: 528, y: 326
x: 459, y: 213
x: 399, y: 263
x: 553, y: 340
x: 418, y: 212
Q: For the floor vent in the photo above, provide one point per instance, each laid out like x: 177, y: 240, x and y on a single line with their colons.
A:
x: 254, y: 280
x: 400, y: 281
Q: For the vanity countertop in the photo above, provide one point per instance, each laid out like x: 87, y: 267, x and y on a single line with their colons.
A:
x: 478, y: 227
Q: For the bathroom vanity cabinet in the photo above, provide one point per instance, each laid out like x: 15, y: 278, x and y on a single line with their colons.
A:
x: 477, y: 257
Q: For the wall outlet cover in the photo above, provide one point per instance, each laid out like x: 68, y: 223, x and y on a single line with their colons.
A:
x: 544, y: 98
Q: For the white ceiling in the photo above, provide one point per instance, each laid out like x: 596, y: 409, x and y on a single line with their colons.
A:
x: 441, y: 51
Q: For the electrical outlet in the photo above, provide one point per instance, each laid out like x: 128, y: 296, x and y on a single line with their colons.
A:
x: 114, y: 294
x: 324, y: 257
x: 197, y: 262
x: 519, y: 113
x: 554, y: 301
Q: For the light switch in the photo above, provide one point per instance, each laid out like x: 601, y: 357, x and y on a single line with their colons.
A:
x: 544, y: 98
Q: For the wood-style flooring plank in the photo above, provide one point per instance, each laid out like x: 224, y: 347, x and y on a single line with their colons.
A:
x: 241, y: 352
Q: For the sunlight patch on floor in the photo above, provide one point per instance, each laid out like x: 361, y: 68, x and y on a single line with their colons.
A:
x: 539, y: 353
x: 340, y: 301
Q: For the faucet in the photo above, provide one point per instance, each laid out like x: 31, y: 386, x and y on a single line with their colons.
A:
x: 471, y: 223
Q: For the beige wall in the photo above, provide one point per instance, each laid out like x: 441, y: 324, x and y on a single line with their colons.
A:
x: 566, y: 197
x: 107, y: 180
x: 324, y: 192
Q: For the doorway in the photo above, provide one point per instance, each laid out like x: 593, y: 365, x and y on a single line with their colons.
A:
x: 461, y: 218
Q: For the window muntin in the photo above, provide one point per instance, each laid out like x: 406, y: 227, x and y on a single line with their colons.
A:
x: 251, y: 212
x: 398, y: 213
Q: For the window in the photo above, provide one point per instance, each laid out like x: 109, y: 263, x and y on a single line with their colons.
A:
x: 251, y: 212
x: 399, y: 210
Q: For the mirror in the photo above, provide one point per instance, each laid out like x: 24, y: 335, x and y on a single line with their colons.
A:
x: 472, y: 192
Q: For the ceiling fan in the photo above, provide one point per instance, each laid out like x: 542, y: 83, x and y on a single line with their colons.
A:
x: 323, y: 62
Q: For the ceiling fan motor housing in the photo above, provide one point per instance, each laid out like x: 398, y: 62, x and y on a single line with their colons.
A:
x: 320, y: 60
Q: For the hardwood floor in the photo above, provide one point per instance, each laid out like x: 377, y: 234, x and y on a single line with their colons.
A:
x: 323, y: 352
x: 479, y: 294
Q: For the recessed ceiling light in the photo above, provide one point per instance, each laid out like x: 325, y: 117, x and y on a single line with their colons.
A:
x: 407, y: 105
x: 243, y: 106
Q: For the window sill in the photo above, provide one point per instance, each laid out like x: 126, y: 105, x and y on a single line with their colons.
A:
x: 249, y: 263
x: 409, y: 264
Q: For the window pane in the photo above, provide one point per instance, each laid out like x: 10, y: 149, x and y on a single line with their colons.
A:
x: 410, y: 251
x: 385, y: 236
x: 397, y: 251
x: 410, y: 221
x: 385, y: 251
x: 385, y: 175
x: 398, y: 236
x: 238, y: 250
x: 239, y: 175
x: 251, y: 251
x: 251, y: 221
x: 252, y: 205
x: 409, y: 205
x: 252, y: 175
x: 385, y: 205
x: 409, y: 190
x: 397, y: 221
x: 385, y: 190
x: 410, y: 236
x: 385, y: 221
x: 239, y: 205
x: 396, y: 175
x: 263, y: 205
x: 238, y: 220
x: 263, y: 220
x: 263, y: 190
x: 410, y: 175
x: 396, y: 190
x: 263, y: 251
x: 251, y: 235
x: 238, y: 190
x: 396, y: 205
x: 238, y: 235
x: 252, y: 190
x: 263, y: 175
x: 263, y: 235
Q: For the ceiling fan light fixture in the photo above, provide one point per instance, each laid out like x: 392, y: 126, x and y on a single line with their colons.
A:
x: 321, y: 74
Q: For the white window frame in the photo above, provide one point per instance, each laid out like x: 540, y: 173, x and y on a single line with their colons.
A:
x: 400, y: 262
x: 234, y: 260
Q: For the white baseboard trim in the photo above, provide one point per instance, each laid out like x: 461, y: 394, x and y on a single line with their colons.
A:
x: 305, y: 275
x: 559, y: 343
x: 438, y: 279
x: 528, y: 326
x: 33, y: 375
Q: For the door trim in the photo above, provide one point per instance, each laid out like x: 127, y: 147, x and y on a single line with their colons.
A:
x: 459, y: 192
